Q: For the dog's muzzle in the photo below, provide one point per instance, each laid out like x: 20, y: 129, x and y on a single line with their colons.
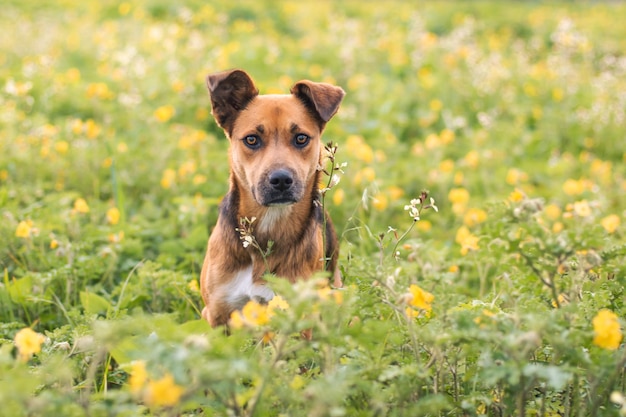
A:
x: 280, y: 188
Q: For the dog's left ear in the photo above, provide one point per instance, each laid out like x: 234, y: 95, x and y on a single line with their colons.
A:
x: 324, y: 99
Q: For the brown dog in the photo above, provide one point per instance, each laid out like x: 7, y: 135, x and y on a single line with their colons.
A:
x: 275, y: 155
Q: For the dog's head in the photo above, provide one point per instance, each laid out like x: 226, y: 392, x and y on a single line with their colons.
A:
x: 275, y: 139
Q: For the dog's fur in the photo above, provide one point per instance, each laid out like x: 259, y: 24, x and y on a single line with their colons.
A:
x: 275, y: 155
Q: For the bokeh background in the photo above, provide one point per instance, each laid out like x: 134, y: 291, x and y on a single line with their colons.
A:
x: 511, y: 115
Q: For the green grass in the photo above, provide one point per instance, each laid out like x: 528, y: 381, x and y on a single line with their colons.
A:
x: 511, y: 115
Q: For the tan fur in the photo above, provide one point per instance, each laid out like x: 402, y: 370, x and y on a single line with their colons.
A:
x: 294, y: 227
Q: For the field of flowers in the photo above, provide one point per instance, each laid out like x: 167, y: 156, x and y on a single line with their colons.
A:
x: 506, y: 301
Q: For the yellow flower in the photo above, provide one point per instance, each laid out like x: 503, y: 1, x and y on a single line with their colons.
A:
x: 359, y: 148
x: 28, y: 342
x: 168, y: 179
x: 435, y: 105
x: 446, y: 166
x: 99, y: 90
x: 606, y: 329
x: 178, y: 86
x: 253, y: 314
x: 113, y: 215
x: 515, y: 176
x: 163, y: 392
x: 138, y: 376
x: 582, y: 208
x: 164, y: 113
x: 424, y: 225
x: 467, y: 240
x: 553, y: 211
x: 61, y: 147
x: 199, y: 179
x: 338, y: 197
x: 395, y: 192
x: 610, y: 223
x: 557, y: 227
x: 24, y: 229
x: 124, y: 8
x: 267, y: 337
x: 573, y: 187
x: 236, y: 320
x: 116, y: 237
x: 277, y: 302
x: 80, y: 206
x: 474, y: 216
x: 77, y: 126
x: 417, y: 149
x: 357, y: 81
x: 186, y: 168
x: 472, y: 159
x: 557, y: 94
x: 73, y: 75
x: 446, y: 136
x: 326, y: 293
x: 458, y: 196
x: 366, y: 174
x: 420, y: 299
x: 432, y: 141
x: 122, y: 147
x: 380, y: 202
x: 92, y: 129
x: 411, y: 313
x: 516, y: 196
x: 364, y: 153
x: 54, y: 244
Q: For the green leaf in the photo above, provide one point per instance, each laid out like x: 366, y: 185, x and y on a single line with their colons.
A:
x: 93, y: 303
x: 124, y: 351
x: 195, y: 326
x: 20, y: 289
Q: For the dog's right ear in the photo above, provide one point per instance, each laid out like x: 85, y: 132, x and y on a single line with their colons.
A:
x: 230, y: 92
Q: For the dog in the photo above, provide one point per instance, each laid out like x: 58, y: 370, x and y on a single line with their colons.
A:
x: 275, y: 167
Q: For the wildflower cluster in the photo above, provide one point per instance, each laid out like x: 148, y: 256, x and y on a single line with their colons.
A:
x: 417, y: 205
x: 330, y: 167
x: 255, y: 314
x: 161, y: 392
x: 419, y: 302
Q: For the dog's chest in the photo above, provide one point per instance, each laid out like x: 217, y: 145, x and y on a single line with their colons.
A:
x: 242, y: 289
x: 272, y: 217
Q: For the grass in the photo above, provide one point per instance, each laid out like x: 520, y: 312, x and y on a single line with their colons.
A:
x: 509, y: 300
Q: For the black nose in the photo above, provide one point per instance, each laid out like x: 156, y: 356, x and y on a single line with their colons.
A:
x: 281, y: 180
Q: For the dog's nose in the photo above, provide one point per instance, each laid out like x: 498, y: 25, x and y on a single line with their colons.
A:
x: 281, y: 180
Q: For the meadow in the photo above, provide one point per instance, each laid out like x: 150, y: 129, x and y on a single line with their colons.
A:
x: 505, y: 300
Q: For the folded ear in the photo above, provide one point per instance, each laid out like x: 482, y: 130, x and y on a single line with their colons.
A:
x: 230, y: 92
x: 323, y: 99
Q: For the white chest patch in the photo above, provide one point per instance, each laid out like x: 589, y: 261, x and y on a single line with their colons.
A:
x: 241, y: 289
x: 272, y: 216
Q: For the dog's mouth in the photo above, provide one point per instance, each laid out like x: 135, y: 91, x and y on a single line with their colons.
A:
x: 280, y: 202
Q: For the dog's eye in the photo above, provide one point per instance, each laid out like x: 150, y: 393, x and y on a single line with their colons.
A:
x: 301, y: 140
x: 252, y: 141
